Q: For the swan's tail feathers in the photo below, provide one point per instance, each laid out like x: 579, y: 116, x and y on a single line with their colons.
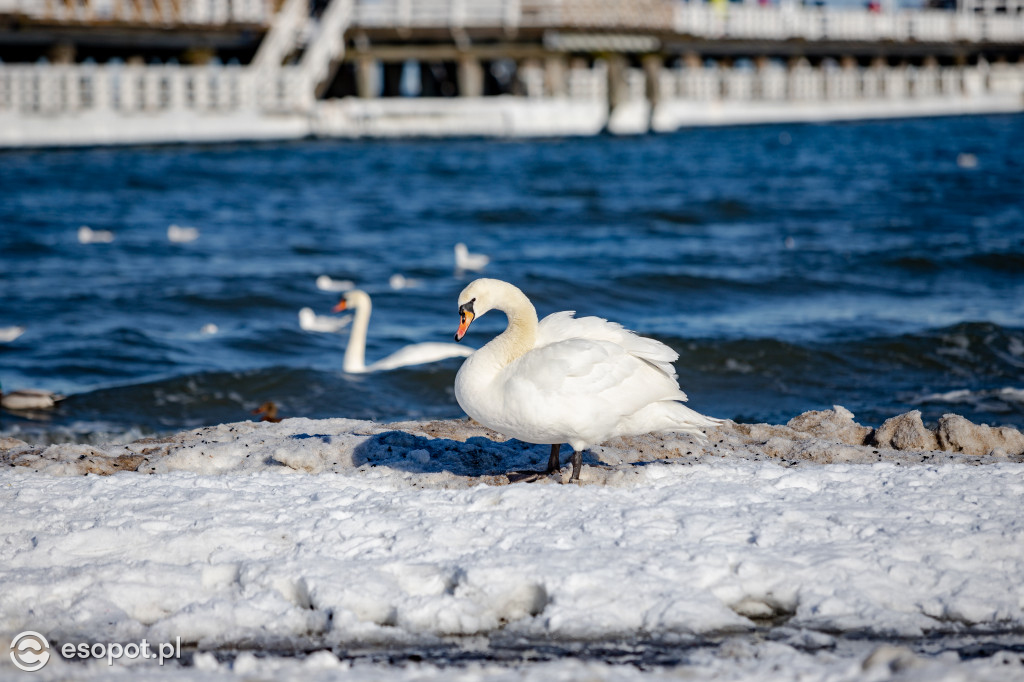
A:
x: 668, y: 416
x: 690, y: 421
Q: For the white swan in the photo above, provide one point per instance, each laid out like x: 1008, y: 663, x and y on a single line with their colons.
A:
x: 416, y: 354
x: 566, y: 380
x: 398, y: 282
x: 311, y: 322
x: 325, y: 283
x: 29, y: 399
x: 8, y: 334
x: 464, y: 260
x: 87, y: 235
x: 182, y: 235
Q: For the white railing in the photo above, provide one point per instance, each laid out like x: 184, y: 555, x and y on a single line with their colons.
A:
x: 588, y: 84
x: 742, y: 21
x: 437, y: 13
x: 146, y: 12
x: 739, y: 21
x: 47, y: 89
x: 809, y: 84
x: 817, y: 24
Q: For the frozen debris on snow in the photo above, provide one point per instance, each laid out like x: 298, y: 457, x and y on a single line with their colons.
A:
x: 957, y: 434
x: 460, y: 452
x: 906, y: 432
x: 835, y: 424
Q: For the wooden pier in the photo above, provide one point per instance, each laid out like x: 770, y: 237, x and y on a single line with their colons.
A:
x: 262, y: 69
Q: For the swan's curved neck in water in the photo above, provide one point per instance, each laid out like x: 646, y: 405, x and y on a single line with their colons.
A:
x: 355, y: 352
x: 521, y: 333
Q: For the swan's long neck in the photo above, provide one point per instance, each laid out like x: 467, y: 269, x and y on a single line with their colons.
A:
x: 355, y: 352
x: 521, y: 333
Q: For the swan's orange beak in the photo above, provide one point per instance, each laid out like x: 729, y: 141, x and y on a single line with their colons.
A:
x: 342, y: 305
x: 466, y: 317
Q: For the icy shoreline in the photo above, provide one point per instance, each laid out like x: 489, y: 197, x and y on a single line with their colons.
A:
x: 780, y: 545
x: 464, y: 453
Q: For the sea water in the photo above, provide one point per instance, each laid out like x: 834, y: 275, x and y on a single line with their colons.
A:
x: 875, y: 265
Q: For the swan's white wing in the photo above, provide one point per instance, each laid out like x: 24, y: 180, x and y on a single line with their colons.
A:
x: 563, y: 326
x: 581, y: 390
x: 419, y: 354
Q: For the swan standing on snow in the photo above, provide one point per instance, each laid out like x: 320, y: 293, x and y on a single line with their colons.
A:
x: 29, y: 399
x: 416, y: 354
x: 464, y: 260
x: 566, y: 380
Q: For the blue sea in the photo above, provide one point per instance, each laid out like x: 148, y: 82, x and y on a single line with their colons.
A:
x: 875, y: 265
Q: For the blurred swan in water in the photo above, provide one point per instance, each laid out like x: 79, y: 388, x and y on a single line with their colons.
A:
x: 182, y: 235
x: 8, y: 334
x: 325, y: 283
x: 399, y: 282
x: 580, y: 381
x: 87, y: 235
x: 29, y: 399
x: 415, y: 354
x: 464, y: 260
x: 311, y: 322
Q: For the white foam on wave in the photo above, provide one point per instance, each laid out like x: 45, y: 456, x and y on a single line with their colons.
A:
x: 997, y: 400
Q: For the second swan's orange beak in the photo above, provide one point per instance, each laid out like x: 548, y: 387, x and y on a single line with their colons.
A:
x: 466, y: 319
x: 342, y: 305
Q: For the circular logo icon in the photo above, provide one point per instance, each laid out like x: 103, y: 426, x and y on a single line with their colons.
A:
x: 30, y: 651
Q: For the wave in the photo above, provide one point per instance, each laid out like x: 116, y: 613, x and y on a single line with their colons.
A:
x: 184, y: 402
x: 998, y: 400
x: 972, y: 368
x: 765, y: 379
x: 1002, y: 262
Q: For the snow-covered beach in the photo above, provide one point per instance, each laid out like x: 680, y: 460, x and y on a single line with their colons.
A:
x: 819, y: 550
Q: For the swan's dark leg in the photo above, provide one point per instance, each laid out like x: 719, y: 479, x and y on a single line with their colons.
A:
x: 577, y: 464
x: 554, y: 463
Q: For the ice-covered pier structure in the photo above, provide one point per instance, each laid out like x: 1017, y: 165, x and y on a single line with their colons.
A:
x: 86, y: 72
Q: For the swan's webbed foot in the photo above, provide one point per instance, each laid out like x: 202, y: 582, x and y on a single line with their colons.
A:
x: 554, y: 465
x: 525, y: 476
